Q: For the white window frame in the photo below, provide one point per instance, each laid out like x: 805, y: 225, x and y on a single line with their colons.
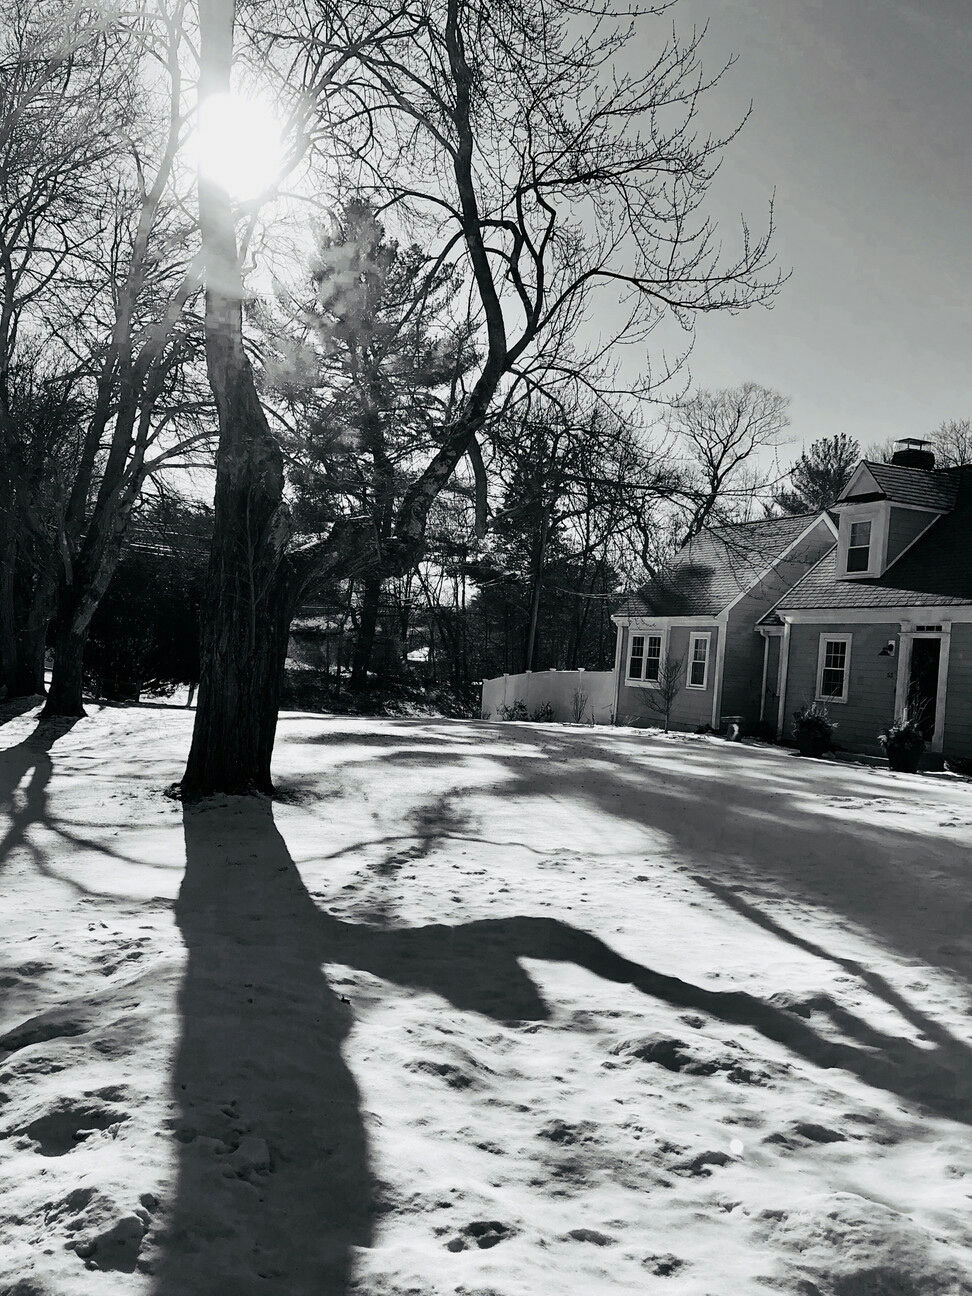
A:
x: 868, y: 547
x: 825, y: 639
x: 645, y: 632
x: 694, y: 638
x: 879, y: 516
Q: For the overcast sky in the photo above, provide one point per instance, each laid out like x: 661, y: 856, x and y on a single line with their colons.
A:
x: 862, y: 123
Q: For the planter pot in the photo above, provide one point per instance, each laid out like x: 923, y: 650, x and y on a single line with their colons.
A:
x: 904, y: 759
x: 812, y: 744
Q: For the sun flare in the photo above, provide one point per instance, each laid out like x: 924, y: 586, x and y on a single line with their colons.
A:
x: 238, y: 145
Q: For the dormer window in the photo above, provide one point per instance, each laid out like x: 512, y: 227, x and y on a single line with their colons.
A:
x: 859, y: 547
x: 862, y: 540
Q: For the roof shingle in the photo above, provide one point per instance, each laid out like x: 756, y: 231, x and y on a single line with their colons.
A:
x: 925, y: 487
x: 714, y: 568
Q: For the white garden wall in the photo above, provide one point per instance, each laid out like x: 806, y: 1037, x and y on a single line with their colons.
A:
x: 556, y: 687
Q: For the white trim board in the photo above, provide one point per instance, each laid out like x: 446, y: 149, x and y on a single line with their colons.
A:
x: 781, y: 674
x: 908, y: 637
x: 720, y: 666
x: 704, y: 621
x: 617, y: 671
x: 924, y: 613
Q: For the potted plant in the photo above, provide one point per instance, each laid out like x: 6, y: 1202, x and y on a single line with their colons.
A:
x: 813, y: 729
x: 904, y: 745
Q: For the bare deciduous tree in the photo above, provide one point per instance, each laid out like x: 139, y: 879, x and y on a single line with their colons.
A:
x: 661, y: 699
x: 504, y: 132
x: 952, y: 443
x: 723, y: 432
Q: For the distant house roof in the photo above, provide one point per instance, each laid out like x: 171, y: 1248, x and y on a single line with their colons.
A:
x: 714, y: 568
x: 934, y: 488
x: 937, y: 568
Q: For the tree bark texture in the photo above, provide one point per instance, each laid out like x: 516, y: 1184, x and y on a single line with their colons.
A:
x: 67, y: 681
x: 249, y: 600
x: 367, y: 626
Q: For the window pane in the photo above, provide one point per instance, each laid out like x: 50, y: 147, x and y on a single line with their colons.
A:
x: 700, y: 650
x: 836, y: 653
x: 860, y: 534
x: 859, y: 547
x: 832, y: 683
x: 834, y: 668
x: 636, y: 661
x: 653, y: 657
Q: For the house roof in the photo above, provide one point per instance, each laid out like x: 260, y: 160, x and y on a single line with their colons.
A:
x: 934, y: 488
x: 936, y: 569
x: 714, y: 568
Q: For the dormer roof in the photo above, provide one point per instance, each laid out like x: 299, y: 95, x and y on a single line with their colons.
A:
x: 936, y: 569
x: 934, y: 488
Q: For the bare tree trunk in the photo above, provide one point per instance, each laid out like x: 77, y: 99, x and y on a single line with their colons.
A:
x: 536, y: 592
x: 248, y: 602
x: 67, y: 678
x: 367, y: 625
x: 33, y: 638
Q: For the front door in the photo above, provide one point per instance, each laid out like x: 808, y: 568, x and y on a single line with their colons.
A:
x: 923, y: 684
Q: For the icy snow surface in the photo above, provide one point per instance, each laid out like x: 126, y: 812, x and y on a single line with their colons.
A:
x: 483, y: 1009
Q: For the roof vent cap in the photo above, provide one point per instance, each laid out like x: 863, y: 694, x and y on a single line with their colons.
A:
x: 909, y: 452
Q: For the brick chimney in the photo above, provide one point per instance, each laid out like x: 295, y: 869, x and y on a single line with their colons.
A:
x: 911, y: 453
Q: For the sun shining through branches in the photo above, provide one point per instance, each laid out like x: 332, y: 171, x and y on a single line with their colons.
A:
x: 238, y: 145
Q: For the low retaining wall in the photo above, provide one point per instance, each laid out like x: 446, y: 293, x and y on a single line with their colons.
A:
x: 534, y: 688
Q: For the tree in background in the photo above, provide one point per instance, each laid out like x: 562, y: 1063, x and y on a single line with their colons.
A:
x: 577, y: 481
x: 129, y: 317
x: 365, y: 371
x: 720, y: 435
x: 59, y: 74
x: 145, y: 633
x: 819, y: 476
x: 39, y: 459
x: 952, y: 443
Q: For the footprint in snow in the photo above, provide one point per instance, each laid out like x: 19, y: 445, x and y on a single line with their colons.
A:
x: 69, y: 1124
x: 593, y: 1236
x: 481, y: 1233
x: 803, y: 1132
x: 663, y: 1266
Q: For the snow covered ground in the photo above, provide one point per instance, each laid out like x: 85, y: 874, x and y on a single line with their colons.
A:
x: 481, y: 1009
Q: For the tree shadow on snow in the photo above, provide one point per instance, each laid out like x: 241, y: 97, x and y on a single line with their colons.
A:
x: 275, y: 1189
x: 755, y: 817
x: 25, y: 772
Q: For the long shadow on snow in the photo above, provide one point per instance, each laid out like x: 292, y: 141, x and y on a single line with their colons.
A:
x: 26, y: 768
x: 889, y: 875
x: 753, y: 817
x: 260, y: 1062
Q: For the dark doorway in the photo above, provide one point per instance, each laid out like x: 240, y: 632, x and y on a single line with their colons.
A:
x: 923, y: 684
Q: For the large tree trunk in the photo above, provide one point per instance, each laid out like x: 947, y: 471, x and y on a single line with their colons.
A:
x: 249, y: 602
x: 239, y: 692
x: 367, y: 625
x: 67, y: 677
x: 32, y: 639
